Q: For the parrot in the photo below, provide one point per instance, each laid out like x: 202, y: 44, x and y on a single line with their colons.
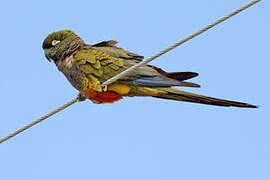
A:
x: 87, y: 66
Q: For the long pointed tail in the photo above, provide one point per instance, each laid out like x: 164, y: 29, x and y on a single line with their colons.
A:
x: 179, y: 95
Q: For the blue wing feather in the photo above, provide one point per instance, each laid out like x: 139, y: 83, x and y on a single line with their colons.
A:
x: 156, y: 81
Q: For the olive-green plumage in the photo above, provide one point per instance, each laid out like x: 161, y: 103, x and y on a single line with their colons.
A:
x: 88, y: 66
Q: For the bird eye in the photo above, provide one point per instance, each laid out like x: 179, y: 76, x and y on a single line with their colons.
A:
x: 54, y: 42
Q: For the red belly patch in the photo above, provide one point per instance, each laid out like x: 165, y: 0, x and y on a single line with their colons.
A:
x: 103, y: 97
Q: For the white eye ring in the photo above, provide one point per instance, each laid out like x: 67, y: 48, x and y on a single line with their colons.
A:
x: 54, y: 42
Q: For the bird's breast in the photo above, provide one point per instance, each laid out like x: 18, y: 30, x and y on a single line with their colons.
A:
x: 71, y: 71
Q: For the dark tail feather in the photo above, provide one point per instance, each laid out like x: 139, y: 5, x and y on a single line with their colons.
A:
x: 179, y: 95
x: 190, y: 84
x: 181, y: 76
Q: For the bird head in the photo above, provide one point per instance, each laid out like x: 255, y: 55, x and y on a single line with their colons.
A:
x: 60, y: 44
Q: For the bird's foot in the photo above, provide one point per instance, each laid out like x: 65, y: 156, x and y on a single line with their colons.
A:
x: 81, y: 97
x: 104, y: 88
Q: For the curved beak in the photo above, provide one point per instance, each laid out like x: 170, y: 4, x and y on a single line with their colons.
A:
x: 47, y: 54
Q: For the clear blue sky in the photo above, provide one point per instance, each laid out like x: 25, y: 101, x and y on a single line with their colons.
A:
x: 137, y: 138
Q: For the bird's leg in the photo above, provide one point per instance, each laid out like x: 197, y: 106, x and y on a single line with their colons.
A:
x: 104, y: 88
x: 81, y: 97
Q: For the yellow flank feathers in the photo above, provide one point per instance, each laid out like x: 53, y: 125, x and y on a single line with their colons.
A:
x: 122, y: 89
x: 91, y: 83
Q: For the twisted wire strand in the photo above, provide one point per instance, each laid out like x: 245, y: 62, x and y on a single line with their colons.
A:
x: 38, y: 120
x: 115, y: 78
